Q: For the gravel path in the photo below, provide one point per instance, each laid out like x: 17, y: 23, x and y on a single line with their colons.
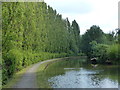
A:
x: 28, y: 80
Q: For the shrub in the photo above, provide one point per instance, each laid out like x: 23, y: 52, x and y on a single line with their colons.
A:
x: 114, y: 53
x: 99, y: 51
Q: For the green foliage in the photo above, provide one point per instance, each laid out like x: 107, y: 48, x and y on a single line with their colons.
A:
x: 99, y: 51
x: 110, y: 39
x: 103, y: 46
x: 76, y: 35
x: 12, y: 61
x: 114, y: 52
x: 93, y: 34
x: 105, y: 52
x: 16, y: 57
x: 33, y: 32
x: 118, y: 35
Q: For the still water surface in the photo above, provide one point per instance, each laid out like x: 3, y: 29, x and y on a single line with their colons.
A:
x: 77, y: 73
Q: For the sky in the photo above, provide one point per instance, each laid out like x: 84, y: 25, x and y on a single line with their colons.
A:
x: 103, y: 13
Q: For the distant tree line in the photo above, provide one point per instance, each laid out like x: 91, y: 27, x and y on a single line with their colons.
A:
x: 104, y: 47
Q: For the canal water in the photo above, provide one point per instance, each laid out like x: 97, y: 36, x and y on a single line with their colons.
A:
x: 77, y: 73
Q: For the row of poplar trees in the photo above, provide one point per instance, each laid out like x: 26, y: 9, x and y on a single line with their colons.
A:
x: 33, y: 31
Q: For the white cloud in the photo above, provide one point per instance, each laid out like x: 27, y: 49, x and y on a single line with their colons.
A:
x: 89, y: 12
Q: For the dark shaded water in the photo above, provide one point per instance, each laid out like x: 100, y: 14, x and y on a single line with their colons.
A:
x: 77, y: 73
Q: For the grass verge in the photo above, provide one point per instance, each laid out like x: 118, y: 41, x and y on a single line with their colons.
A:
x: 16, y: 78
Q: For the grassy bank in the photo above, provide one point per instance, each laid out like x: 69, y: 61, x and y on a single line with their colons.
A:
x: 15, y: 78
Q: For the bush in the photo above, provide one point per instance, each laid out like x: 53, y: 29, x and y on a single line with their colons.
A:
x: 12, y: 62
x: 114, y: 53
x: 105, y: 52
x: 99, y: 51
